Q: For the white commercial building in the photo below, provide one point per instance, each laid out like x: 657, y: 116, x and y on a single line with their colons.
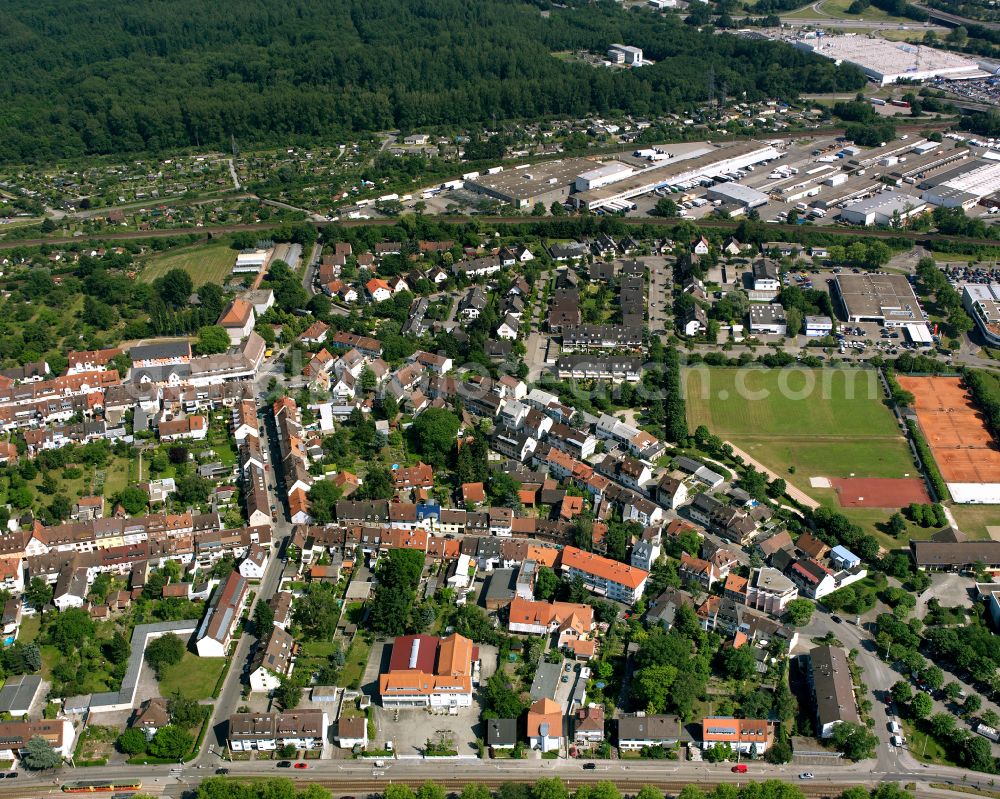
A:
x: 983, y: 304
x: 819, y: 326
x: 883, y: 209
x: 627, y: 54
x: 695, y: 166
x: 966, y: 185
x: 887, y: 62
x: 251, y: 261
x: 767, y: 319
x: 737, y: 194
x: 602, y: 176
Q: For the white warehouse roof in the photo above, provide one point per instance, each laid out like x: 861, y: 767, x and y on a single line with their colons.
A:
x: 888, y: 62
x: 739, y: 194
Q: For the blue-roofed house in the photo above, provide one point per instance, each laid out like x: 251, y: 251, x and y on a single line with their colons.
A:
x: 843, y: 558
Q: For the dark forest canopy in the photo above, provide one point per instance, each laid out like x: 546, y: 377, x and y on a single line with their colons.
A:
x: 117, y: 76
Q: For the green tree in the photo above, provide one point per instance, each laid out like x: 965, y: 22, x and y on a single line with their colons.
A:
x: 263, y: 618
x: 171, y: 743
x: 651, y: 686
x: 855, y: 741
x: 37, y: 755
x: 550, y: 788
x: 398, y: 791
x: 739, y: 664
x: 118, y: 648
x: 174, y: 288
x: 501, y: 699
x: 212, y: 339
x: 133, y: 499
x: 433, y: 435
x: 896, y: 525
x: 288, y: 694
x: 39, y: 594
x: 921, y: 706
x: 167, y: 650
x: 71, y: 629
x: 132, y: 741
x: 901, y: 692
x: 546, y: 583
x: 800, y: 611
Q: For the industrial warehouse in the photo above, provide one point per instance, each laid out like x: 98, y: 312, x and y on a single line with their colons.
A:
x: 593, y: 185
x: 964, y: 185
x: 706, y: 164
x: 887, y: 62
x: 883, y: 298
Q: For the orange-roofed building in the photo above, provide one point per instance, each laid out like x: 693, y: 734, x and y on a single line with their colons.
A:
x: 541, y: 618
x: 238, y: 320
x: 378, y: 289
x: 544, y: 556
x: 746, y: 735
x: 617, y: 581
x: 473, y: 493
x: 425, y: 671
x: 545, y: 725
x: 571, y: 507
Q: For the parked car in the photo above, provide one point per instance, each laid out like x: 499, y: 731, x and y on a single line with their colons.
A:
x: 284, y: 764
x: 300, y: 764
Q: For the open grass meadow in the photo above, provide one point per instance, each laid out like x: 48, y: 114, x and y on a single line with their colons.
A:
x: 829, y: 423
x: 206, y: 263
x: 194, y: 677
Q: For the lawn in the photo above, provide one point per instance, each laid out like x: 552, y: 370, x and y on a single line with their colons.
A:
x: 194, y: 677
x: 837, y: 9
x: 206, y: 263
x: 922, y: 746
x: 354, y: 666
x: 829, y: 423
x: 974, y: 519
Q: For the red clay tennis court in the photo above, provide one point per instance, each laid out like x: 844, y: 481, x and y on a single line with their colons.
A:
x: 962, y: 446
x: 880, y: 492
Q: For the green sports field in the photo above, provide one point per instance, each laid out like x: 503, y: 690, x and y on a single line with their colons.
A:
x: 824, y: 422
x: 206, y: 263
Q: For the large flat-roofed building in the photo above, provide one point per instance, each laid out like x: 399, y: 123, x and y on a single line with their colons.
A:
x: 887, y: 62
x: 627, y: 54
x: 888, y: 299
x: 983, y: 304
x: 964, y: 185
x: 699, y: 164
x: 883, y: 209
x: 602, y: 175
x: 737, y: 194
x: 523, y: 187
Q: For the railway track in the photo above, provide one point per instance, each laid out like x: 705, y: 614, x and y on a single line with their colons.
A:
x: 720, y: 224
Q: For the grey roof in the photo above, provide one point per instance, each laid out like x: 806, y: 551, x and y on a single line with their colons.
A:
x: 164, y: 350
x: 834, y: 690
x: 501, y: 732
x: 499, y: 586
x: 649, y: 728
x: 546, y: 681
x: 18, y: 694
